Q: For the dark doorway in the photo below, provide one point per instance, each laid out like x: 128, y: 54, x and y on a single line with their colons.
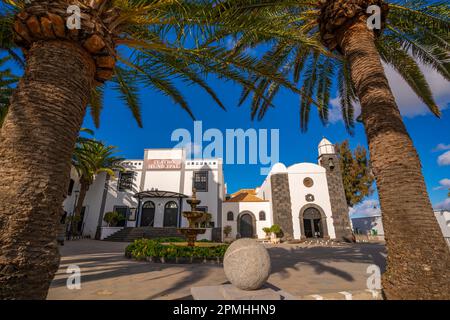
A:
x: 123, y: 211
x: 148, y: 214
x: 171, y: 214
x: 312, y: 223
x: 308, y: 228
x: 246, y: 226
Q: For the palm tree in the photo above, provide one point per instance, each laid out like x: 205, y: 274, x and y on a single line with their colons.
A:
x: 351, y: 60
x: 134, y: 43
x: 90, y: 158
x: 7, y: 81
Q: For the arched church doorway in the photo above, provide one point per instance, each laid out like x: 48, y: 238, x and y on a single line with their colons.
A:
x: 246, y: 225
x: 148, y: 214
x: 313, y: 223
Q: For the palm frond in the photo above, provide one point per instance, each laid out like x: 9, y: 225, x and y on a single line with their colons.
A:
x: 393, y: 54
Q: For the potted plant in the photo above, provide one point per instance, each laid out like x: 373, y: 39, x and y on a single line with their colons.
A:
x: 267, y: 231
x: 276, y: 230
x: 112, y: 218
x: 227, y: 231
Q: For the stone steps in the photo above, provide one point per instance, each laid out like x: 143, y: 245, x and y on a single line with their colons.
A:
x: 130, y: 234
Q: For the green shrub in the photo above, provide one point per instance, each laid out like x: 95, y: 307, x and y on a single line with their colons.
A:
x: 227, y: 230
x: 143, y: 248
x: 113, y: 218
x: 169, y: 239
x: 267, y: 230
x: 275, y: 229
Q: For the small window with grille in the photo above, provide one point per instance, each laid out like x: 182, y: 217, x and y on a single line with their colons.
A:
x: 201, y: 181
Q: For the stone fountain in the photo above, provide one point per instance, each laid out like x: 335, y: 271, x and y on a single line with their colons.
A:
x: 194, y: 217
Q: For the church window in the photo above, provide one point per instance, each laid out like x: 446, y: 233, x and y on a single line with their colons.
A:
x: 230, y: 216
x: 262, y: 216
x: 308, y: 182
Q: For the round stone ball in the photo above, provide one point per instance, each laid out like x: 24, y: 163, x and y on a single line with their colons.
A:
x: 247, y: 264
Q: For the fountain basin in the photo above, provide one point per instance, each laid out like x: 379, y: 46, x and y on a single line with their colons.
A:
x: 194, y: 217
x: 191, y: 234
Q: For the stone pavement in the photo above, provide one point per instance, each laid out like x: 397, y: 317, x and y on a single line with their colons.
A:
x: 296, y: 269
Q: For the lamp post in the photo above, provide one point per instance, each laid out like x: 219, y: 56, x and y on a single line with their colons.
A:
x: 77, y: 192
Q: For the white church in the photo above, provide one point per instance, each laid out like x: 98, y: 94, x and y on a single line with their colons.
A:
x: 306, y: 200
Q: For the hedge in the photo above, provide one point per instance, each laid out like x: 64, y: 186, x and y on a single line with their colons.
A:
x: 142, y: 248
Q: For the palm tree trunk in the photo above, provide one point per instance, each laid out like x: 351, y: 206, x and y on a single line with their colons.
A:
x: 36, y: 145
x: 79, y: 205
x: 418, y: 261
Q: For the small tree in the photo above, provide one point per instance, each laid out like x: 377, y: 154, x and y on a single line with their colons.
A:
x: 227, y: 230
x: 113, y: 218
x: 90, y: 158
x: 267, y: 231
x: 356, y: 173
x: 275, y: 229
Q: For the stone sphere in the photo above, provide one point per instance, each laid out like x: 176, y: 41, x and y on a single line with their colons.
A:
x: 247, y: 264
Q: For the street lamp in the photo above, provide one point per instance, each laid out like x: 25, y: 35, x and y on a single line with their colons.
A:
x: 77, y: 192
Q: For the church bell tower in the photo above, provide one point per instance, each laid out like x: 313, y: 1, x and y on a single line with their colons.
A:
x: 339, y: 208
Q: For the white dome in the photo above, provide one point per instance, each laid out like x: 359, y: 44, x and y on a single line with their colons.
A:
x: 278, y: 168
x: 305, y: 167
x: 326, y: 147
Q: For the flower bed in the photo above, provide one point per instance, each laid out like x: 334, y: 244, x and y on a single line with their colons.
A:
x: 157, y: 251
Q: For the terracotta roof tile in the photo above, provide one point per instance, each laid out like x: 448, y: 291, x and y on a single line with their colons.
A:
x: 245, y: 195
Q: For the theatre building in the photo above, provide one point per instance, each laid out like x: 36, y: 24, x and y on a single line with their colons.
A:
x: 306, y: 200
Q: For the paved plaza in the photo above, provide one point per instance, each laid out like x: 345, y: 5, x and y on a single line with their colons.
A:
x: 296, y: 269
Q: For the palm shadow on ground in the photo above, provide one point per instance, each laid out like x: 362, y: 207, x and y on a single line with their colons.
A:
x: 105, y: 265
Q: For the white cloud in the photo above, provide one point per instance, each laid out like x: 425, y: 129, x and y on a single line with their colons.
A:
x: 443, y: 184
x: 444, y: 205
x: 408, y: 102
x: 367, y: 208
x: 444, y: 159
x: 441, y: 147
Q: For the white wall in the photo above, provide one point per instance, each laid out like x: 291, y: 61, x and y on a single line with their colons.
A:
x: 443, y: 218
x: 366, y: 224
x: 92, y: 202
x: 253, y: 207
x: 215, y: 191
x: 297, y: 173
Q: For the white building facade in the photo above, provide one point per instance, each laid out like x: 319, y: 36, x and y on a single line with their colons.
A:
x: 443, y: 218
x: 306, y: 200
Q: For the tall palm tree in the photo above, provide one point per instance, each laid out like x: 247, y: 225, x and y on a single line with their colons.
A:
x: 411, y: 31
x: 7, y: 82
x: 91, y: 158
x: 131, y: 42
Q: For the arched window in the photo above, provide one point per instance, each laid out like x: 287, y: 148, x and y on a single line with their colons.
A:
x: 148, y: 205
x: 171, y: 214
x: 230, y: 216
x: 262, y: 216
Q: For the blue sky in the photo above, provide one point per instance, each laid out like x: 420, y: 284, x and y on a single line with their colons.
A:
x: 161, y: 117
